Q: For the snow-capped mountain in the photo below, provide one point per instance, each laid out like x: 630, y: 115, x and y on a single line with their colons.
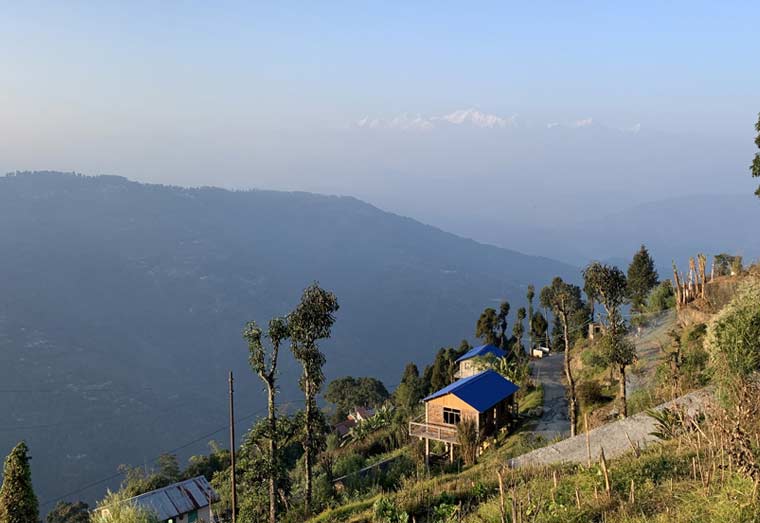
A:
x: 463, y: 117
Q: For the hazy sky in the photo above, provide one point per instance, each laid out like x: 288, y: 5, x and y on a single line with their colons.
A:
x: 267, y: 95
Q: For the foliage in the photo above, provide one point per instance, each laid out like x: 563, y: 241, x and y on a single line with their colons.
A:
x: 487, y: 327
x: 641, y: 279
x: 515, y: 371
x: 607, y: 285
x: 661, y: 298
x: 66, y: 512
x: 311, y: 321
x: 539, y: 325
x: 18, y: 503
x: 348, y: 392
x: 207, y: 465
x: 518, y: 331
x: 590, y: 393
x: 727, y: 264
x: 444, y: 367
x: 467, y: 436
x: 115, y: 508
x: 359, y: 432
x: 410, y: 390
x: 733, y: 337
x: 755, y: 167
x: 138, y: 480
x: 386, y: 511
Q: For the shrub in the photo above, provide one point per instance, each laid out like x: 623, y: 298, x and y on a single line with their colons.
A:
x: 661, y: 298
x: 590, y: 393
x: 386, y: 511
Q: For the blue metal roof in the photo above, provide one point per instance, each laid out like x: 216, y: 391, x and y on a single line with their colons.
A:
x: 177, y: 499
x: 483, y: 350
x: 481, y: 391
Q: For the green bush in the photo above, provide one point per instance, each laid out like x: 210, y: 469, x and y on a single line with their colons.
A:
x: 590, y: 393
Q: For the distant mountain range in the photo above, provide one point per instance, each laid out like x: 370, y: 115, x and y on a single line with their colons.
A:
x: 121, y: 307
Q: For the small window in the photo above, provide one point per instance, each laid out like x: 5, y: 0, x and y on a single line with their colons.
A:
x: 451, y: 416
x: 192, y: 517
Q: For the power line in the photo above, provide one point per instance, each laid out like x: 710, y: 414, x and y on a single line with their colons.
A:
x: 155, y: 459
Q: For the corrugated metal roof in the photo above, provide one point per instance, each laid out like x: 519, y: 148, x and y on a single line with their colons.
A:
x: 179, y: 498
x: 481, y: 391
x: 482, y: 350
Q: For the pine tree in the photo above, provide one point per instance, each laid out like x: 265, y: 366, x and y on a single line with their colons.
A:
x: 18, y: 503
x: 642, y: 278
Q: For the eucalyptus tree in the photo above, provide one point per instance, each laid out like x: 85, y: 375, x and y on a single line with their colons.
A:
x: 564, y: 300
x: 277, y: 332
x: 608, y: 285
x: 502, y: 323
x: 311, y: 321
x: 530, y: 295
x: 487, y: 326
x: 518, y: 330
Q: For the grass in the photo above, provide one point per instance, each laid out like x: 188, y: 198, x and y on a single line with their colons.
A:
x: 533, y: 399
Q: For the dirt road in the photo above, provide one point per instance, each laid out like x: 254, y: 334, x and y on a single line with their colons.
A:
x: 554, y: 421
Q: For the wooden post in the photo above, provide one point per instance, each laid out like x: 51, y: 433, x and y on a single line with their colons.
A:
x: 502, y: 509
x: 588, y: 438
x: 451, y: 453
x: 603, y: 462
x: 427, y: 454
x: 577, y: 498
x: 232, y: 450
x: 632, y: 497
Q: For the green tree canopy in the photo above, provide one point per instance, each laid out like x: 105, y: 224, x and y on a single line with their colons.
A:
x: 115, y: 508
x: 348, y: 392
x: 642, y: 278
x: 66, y: 512
x: 539, y: 326
x: 606, y: 284
x: 411, y: 389
x: 487, y: 327
x: 18, y: 503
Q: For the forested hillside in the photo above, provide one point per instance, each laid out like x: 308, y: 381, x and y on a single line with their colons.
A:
x: 122, y: 304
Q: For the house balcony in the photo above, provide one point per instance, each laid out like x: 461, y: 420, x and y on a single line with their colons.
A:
x: 445, y: 433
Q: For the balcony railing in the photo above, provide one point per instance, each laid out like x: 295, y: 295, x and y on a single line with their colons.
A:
x: 447, y: 433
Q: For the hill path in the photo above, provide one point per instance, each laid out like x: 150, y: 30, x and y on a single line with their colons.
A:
x: 554, y: 421
x: 613, y: 437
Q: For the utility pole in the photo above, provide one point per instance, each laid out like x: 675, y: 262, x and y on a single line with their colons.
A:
x: 232, y: 450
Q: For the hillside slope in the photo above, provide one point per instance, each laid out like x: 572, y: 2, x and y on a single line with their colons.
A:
x: 121, y: 306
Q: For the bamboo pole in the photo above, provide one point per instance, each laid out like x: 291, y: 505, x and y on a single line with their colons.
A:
x: 588, y: 438
x: 603, y: 462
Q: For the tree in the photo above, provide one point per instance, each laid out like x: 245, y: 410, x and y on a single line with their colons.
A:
x: 607, y: 285
x: 486, y: 328
x: 444, y: 368
x: 565, y: 300
x: 18, y: 503
x: 518, y: 330
x: 502, y: 321
x: 642, y: 278
x: 311, y: 321
x: 539, y: 326
x: 348, y: 392
x: 65, y: 512
x: 267, y: 371
x: 755, y: 167
x: 411, y: 389
x: 116, y: 508
x: 530, y: 295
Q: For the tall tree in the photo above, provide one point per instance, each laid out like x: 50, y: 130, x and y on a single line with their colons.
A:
x: 18, y: 503
x: 755, y: 167
x: 530, y: 295
x: 642, y: 278
x: 65, y: 512
x: 502, y: 321
x: 539, y: 326
x: 565, y: 300
x: 311, y: 321
x: 518, y: 330
x: 410, y: 391
x: 348, y: 392
x: 487, y: 327
x: 607, y: 285
x: 267, y: 371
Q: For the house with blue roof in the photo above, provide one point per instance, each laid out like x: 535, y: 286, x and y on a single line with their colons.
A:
x: 486, y: 398
x: 467, y: 362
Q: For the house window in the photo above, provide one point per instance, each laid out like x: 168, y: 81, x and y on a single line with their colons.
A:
x: 451, y: 416
x: 192, y: 517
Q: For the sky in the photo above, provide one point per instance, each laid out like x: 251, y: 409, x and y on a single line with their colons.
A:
x: 598, y: 104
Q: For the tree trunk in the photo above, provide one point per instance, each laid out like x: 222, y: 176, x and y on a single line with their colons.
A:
x: 307, y: 440
x: 623, y: 402
x: 572, y: 406
x: 273, y: 458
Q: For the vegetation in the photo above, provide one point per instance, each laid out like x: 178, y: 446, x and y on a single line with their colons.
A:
x: 642, y: 278
x: 115, y: 508
x: 349, y: 392
x: 755, y: 167
x: 66, y: 512
x: 565, y: 301
x: 18, y: 503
